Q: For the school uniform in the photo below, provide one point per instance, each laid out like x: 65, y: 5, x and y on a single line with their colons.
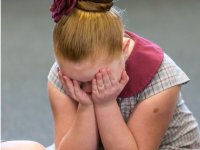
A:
x: 150, y: 72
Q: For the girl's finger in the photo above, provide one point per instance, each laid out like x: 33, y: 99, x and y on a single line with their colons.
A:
x: 64, y: 84
x: 106, y: 80
x: 68, y: 82
x: 124, y: 78
x: 111, y: 77
x: 76, y: 88
x: 100, y: 85
x: 79, y: 93
x: 94, y: 86
x: 69, y: 85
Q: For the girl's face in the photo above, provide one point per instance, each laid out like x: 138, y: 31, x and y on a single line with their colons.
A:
x: 85, y: 71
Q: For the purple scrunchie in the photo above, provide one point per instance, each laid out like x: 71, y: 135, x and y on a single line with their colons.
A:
x: 61, y: 7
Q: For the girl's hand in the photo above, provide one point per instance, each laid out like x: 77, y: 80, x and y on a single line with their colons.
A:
x: 73, y: 90
x: 106, y: 88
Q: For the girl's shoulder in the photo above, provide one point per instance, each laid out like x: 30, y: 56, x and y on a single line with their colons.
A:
x: 168, y: 75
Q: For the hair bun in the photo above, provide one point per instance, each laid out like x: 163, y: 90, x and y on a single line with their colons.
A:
x: 61, y: 7
x: 94, y: 5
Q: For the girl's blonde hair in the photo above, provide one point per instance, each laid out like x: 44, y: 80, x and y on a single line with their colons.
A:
x: 83, y: 34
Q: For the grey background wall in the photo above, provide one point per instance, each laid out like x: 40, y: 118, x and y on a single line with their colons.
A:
x: 27, y: 56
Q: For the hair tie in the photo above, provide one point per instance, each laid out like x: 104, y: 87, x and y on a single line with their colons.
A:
x: 94, y: 5
x: 61, y: 7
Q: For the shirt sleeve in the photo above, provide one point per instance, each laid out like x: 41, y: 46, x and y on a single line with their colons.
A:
x: 168, y: 75
x: 53, y: 78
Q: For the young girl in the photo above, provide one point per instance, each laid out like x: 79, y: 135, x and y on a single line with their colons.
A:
x: 112, y: 89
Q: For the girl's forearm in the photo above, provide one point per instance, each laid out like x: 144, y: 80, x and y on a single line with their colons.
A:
x: 114, y: 132
x: 84, y: 133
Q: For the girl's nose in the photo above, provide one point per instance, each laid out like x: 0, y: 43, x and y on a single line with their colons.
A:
x: 87, y: 87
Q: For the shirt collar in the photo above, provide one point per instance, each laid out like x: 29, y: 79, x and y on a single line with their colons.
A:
x: 142, y: 65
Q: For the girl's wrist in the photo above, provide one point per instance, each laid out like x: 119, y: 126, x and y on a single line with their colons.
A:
x: 88, y: 105
x: 104, y: 108
x: 85, y: 109
x: 104, y: 103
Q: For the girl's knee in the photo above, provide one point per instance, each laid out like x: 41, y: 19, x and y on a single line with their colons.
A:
x: 21, y: 145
